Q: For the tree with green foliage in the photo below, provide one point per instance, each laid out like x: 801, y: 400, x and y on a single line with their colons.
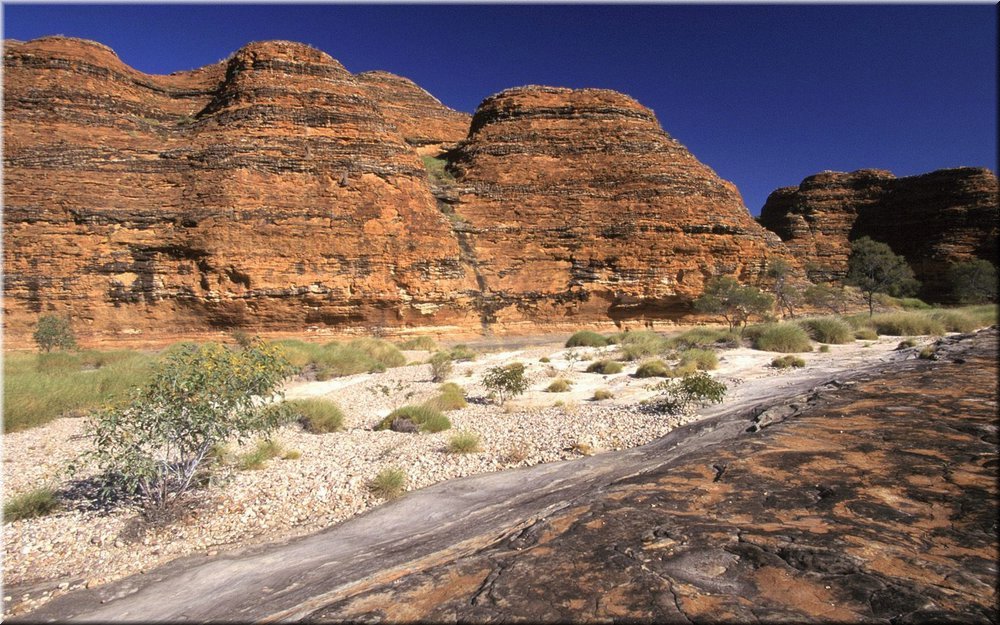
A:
x: 735, y: 302
x: 54, y: 332
x: 779, y: 272
x: 827, y: 296
x: 199, y: 396
x: 506, y: 381
x: 874, y: 268
x: 973, y: 282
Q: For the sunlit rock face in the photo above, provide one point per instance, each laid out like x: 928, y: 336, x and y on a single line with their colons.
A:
x: 935, y: 219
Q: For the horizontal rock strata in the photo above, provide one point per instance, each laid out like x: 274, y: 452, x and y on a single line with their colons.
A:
x: 943, y: 217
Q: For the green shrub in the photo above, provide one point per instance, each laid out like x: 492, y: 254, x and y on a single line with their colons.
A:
x: 652, y: 369
x: 694, y: 389
x: 389, y: 483
x: 784, y: 362
x: 866, y: 334
x: 450, y: 397
x: 560, y: 385
x: 955, y: 320
x: 973, y: 281
x: 412, y: 418
x: 602, y: 394
x: 425, y: 343
x: 586, y: 338
x: 781, y: 337
x: 54, y: 332
x: 907, y: 324
x: 440, y: 366
x: 824, y: 348
x: 437, y: 170
x: 318, y: 416
x: 256, y: 459
x: 35, y: 503
x: 641, y: 343
x: 506, y: 381
x: 703, y: 337
x: 736, y: 303
x: 197, y: 397
x: 464, y: 443
x: 703, y: 359
x: 605, y: 367
x: 828, y: 330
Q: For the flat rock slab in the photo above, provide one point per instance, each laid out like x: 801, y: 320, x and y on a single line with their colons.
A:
x: 866, y: 500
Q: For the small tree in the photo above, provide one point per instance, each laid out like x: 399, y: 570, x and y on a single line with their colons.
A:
x: 507, y: 381
x: 690, y: 391
x: 832, y: 298
x: 973, y: 282
x: 787, y: 296
x: 736, y: 303
x: 54, y: 331
x: 874, y: 268
x: 199, y: 396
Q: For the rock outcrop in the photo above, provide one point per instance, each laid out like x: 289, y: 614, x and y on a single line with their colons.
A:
x: 277, y: 191
x: 935, y: 219
x: 577, y: 202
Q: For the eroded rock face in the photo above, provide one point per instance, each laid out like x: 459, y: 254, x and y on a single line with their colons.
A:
x: 935, y: 219
x: 576, y: 201
x: 267, y: 191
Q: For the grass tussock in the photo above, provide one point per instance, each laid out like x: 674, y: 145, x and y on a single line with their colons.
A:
x: 779, y: 337
x: 422, y: 418
x: 866, y: 334
x: 824, y: 348
x: 605, y: 367
x: 38, y: 388
x: 653, y: 369
x: 602, y: 394
x: 956, y: 320
x: 424, y: 343
x: 704, y: 336
x: 587, y: 338
x: 784, y: 362
x: 983, y: 314
x: 318, y: 416
x: 389, y: 483
x: 640, y: 344
x: 257, y: 457
x: 560, y: 385
x: 35, y: 503
x: 462, y: 352
x: 464, y: 443
x: 450, y: 396
x: 340, y: 359
x: 703, y: 359
x: 828, y: 330
x: 907, y: 324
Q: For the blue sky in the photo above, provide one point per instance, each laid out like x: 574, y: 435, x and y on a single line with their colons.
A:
x: 765, y: 95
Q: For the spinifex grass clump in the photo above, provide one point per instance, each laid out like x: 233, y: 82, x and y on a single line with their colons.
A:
x: 413, y: 419
x: 784, y: 362
x: 389, y: 483
x: 338, y: 359
x: 640, y: 344
x: 425, y: 343
x: 956, y: 320
x: 704, y: 336
x: 779, y: 337
x: 601, y: 394
x: 40, y: 387
x: 35, y: 503
x: 560, y: 385
x: 702, y: 359
x: 907, y: 324
x: 652, y: 369
x: 464, y: 443
x: 318, y: 416
x: 605, y: 367
x: 587, y: 338
x: 828, y: 330
x: 257, y: 457
x: 450, y: 397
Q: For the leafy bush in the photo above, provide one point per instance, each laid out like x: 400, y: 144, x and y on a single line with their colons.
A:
x: 605, y: 367
x: 640, y: 344
x: 704, y: 337
x: 736, y: 303
x: 451, y: 397
x: 506, y: 381
x: 198, y: 396
x: 425, y: 343
x: 586, y: 338
x: 464, y: 443
x: 414, y: 418
x: 652, y: 369
x: 784, y: 362
x: 440, y: 366
x: 826, y: 297
x: 35, y: 503
x: 389, y: 483
x: 602, y: 394
x: 907, y: 324
x: 955, y: 320
x: 559, y: 386
x: 437, y: 170
x: 318, y: 416
x: 680, y: 394
x: 866, y: 334
x: 703, y: 359
x: 54, y: 332
x: 874, y: 268
x: 256, y: 459
x: 781, y: 337
x: 828, y: 330
x: 973, y: 282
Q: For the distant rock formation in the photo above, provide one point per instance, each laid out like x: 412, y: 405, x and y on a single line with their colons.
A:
x: 934, y: 219
x: 277, y: 191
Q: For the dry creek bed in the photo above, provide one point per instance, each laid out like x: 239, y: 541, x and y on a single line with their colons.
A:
x: 78, y: 547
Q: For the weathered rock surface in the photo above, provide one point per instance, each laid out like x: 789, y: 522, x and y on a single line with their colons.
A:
x: 277, y: 191
x: 577, y: 202
x: 872, y: 499
x: 943, y: 217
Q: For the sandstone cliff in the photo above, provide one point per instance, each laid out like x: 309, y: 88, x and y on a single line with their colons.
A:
x: 276, y: 191
x: 934, y: 219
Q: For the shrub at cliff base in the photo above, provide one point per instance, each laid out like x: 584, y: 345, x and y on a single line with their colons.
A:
x: 828, y: 330
x: 38, y: 388
x: 199, y: 396
x: 779, y: 337
x: 907, y: 324
x: 54, y: 332
x: 586, y: 338
x: 973, y: 282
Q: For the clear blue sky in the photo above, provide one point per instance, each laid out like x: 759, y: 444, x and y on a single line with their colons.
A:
x: 765, y: 95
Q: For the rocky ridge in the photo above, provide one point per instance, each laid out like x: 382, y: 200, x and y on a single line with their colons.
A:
x: 934, y: 219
